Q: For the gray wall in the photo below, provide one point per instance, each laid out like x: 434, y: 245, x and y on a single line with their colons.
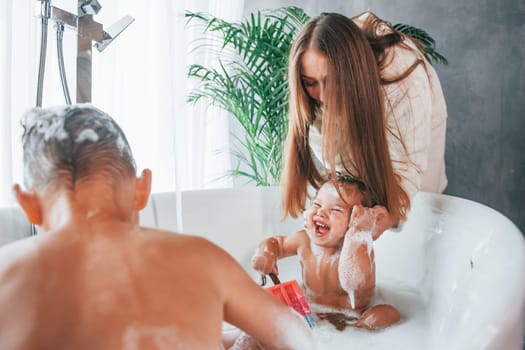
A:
x: 484, y: 85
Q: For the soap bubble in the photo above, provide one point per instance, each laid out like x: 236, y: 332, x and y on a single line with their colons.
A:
x: 323, y: 335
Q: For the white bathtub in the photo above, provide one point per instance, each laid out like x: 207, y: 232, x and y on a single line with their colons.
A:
x: 456, y: 271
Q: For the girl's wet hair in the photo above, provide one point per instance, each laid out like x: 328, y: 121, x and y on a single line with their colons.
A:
x: 347, y: 179
x: 63, y: 145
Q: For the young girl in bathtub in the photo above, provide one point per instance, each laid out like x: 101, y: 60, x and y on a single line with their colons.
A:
x: 94, y: 279
x: 336, y: 255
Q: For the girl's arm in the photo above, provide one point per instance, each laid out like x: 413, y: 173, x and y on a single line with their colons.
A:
x: 356, y: 267
x: 274, y: 248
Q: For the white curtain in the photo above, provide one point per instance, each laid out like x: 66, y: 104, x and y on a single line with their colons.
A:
x: 139, y: 79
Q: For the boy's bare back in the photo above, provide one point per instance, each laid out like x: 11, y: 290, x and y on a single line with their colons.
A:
x: 113, y: 287
x: 92, y: 278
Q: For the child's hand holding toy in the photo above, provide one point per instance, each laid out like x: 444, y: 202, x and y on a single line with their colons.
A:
x: 265, y: 257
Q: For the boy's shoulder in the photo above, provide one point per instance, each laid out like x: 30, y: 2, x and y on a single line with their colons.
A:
x: 18, y: 249
x: 19, y: 256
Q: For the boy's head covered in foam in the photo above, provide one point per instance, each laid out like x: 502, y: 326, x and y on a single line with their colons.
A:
x: 65, y: 145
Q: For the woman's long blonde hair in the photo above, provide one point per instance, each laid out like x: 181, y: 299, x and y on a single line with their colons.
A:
x: 353, y: 114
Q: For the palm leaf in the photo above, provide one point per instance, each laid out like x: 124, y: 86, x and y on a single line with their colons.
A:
x: 425, y: 43
x: 250, y: 82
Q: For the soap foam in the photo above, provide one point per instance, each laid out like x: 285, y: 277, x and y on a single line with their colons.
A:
x: 163, y: 337
x: 350, y: 274
x: 318, y: 253
x: 292, y: 329
x: 410, y: 333
x: 87, y: 135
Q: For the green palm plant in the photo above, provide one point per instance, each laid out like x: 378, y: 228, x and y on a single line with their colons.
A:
x: 249, y: 80
x: 425, y: 43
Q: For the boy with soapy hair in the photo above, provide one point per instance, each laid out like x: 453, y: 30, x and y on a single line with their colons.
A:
x: 336, y: 255
x: 94, y: 279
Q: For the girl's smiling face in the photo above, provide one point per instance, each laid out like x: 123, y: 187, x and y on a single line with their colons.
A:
x: 329, y: 215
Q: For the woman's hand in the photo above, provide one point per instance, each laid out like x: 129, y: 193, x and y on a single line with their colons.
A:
x: 376, y: 220
x: 362, y: 219
x: 384, y: 221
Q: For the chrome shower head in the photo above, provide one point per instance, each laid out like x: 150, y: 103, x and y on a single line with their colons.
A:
x: 113, y: 31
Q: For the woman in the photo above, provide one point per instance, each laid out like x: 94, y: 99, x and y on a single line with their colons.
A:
x: 366, y: 103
